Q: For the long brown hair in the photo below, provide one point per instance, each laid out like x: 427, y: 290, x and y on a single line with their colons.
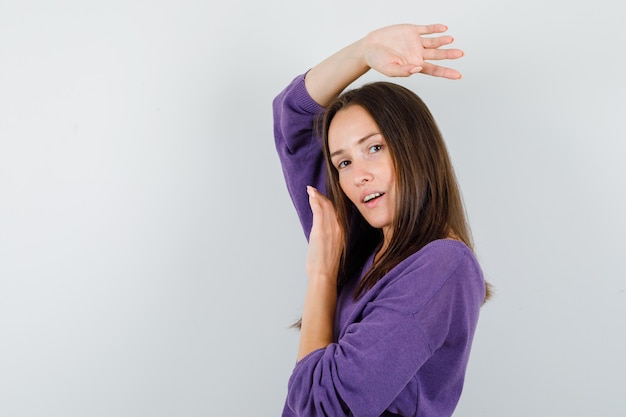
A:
x: 429, y: 205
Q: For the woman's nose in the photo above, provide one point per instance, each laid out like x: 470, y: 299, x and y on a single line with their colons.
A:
x: 362, y: 175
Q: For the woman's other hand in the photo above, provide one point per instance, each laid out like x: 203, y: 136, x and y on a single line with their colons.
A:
x: 325, y: 240
x: 403, y: 50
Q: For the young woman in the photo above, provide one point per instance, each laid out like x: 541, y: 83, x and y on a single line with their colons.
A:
x: 394, y: 289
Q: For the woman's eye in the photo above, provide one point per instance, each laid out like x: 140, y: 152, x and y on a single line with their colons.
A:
x: 375, y: 148
x: 343, y: 164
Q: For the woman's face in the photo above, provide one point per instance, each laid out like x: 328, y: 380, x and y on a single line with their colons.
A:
x: 360, y: 154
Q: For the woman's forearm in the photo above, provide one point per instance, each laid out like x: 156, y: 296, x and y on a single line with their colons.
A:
x: 318, y: 315
x: 330, y: 77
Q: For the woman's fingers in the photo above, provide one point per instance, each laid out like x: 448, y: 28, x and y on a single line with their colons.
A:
x: 430, y: 29
x: 436, y: 54
x: 439, y: 71
x: 324, y: 215
x: 436, y: 41
x: 325, y: 240
x: 315, y: 201
x: 403, y: 50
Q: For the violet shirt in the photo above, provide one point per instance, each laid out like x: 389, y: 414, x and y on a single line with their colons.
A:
x: 402, y: 348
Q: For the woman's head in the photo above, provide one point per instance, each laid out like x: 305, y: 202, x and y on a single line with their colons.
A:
x: 365, y: 170
x: 383, y: 123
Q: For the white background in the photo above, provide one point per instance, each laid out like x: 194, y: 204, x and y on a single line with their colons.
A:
x: 151, y: 262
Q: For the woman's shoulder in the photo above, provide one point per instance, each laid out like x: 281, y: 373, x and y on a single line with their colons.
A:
x: 442, y: 255
x: 441, y: 265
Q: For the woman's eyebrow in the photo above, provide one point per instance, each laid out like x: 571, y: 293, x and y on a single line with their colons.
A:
x: 360, y: 141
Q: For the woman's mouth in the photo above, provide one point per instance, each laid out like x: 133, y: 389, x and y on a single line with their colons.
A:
x: 371, y: 197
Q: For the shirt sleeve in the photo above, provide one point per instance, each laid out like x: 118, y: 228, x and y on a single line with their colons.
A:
x: 299, y: 149
x: 416, y: 328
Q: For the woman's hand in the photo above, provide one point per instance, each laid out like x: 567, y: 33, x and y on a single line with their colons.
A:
x: 395, y: 51
x: 402, y: 50
x: 325, y: 240
x: 322, y: 265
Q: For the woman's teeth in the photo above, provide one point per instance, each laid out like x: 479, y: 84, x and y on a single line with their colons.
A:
x: 371, y: 197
